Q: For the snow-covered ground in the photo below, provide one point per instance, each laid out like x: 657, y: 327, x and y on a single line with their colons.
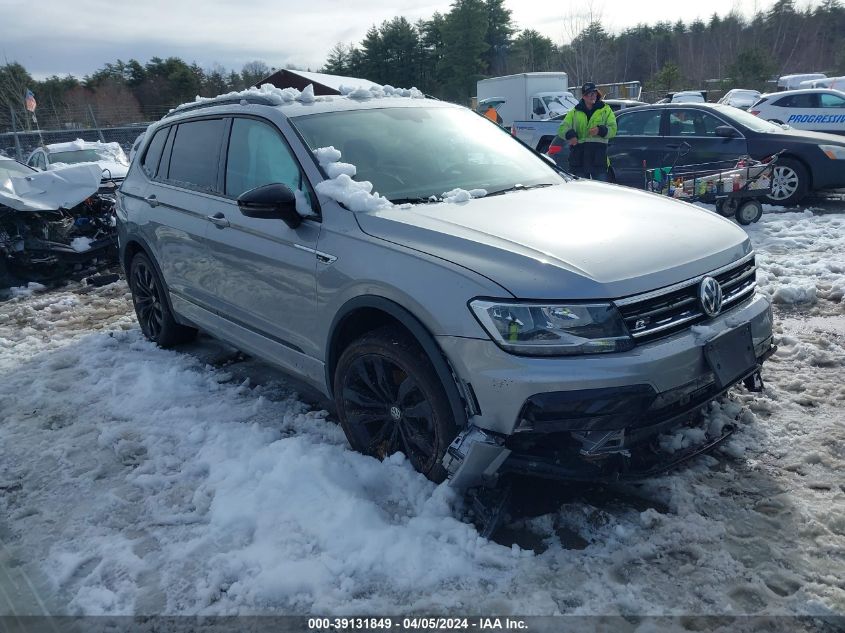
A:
x: 135, y: 480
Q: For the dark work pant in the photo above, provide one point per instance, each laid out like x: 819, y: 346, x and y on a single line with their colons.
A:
x: 589, y: 160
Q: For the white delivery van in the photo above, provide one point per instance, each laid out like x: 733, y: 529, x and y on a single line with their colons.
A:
x: 527, y: 96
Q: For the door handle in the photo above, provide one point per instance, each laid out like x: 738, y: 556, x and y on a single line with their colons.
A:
x: 219, y: 220
x: 151, y: 200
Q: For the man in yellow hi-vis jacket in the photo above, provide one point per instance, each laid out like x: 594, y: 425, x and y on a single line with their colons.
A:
x: 587, y: 128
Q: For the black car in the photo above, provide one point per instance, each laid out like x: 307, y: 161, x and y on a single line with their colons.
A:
x: 661, y: 135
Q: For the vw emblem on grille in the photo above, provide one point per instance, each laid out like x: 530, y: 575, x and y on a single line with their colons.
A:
x: 710, y: 296
x: 395, y: 413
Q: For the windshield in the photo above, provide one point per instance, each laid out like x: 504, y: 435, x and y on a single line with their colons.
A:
x: 559, y: 103
x: 748, y: 120
x: 87, y: 156
x: 413, y: 153
x: 13, y: 169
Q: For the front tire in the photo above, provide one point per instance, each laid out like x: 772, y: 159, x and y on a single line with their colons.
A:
x: 790, y: 182
x: 390, y: 399
x: 151, y: 306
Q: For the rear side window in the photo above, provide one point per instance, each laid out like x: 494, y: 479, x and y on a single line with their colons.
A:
x: 645, y: 123
x: 153, y: 155
x: 797, y: 101
x: 195, y: 157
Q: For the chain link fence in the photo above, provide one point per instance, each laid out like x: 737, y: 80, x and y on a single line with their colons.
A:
x: 21, y: 132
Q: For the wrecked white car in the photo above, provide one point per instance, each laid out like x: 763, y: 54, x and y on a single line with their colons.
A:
x: 109, y: 156
x: 53, y: 224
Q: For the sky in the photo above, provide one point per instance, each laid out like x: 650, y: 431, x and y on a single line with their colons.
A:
x: 56, y: 37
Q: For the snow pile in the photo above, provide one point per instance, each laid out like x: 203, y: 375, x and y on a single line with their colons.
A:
x: 286, y: 96
x: 800, y: 259
x: 135, y: 480
x: 81, y: 244
x: 456, y: 196
x: 107, y: 151
x: 361, y: 93
x: 27, y: 290
x: 354, y: 195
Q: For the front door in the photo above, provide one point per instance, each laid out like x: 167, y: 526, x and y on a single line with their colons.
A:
x: 263, y: 271
x: 692, y: 142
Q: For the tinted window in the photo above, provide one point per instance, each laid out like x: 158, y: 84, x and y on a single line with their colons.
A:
x: 692, y: 123
x: 832, y: 101
x: 258, y: 156
x: 796, y: 101
x: 153, y: 155
x: 646, y: 123
x: 195, y: 157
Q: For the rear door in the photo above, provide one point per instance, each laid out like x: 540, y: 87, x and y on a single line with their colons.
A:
x: 182, y: 167
x: 637, y: 145
x: 794, y: 110
x: 262, y: 272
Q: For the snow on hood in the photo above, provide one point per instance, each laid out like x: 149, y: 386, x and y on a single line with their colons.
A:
x: 109, y: 169
x: 51, y: 190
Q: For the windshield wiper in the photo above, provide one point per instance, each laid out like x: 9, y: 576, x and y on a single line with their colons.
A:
x: 415, y: 200
x: 519, y: 187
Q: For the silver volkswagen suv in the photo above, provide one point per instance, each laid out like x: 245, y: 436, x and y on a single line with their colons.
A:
x: 459, y: 298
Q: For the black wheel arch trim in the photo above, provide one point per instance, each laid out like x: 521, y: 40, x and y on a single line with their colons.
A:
x: 144, y: 248
x: 418, y: 331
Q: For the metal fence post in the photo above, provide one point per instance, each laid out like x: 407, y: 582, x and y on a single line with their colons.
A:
x: 96, y: 126
x: 18, y: 150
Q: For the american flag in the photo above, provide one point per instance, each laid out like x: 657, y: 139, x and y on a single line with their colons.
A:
x: 29, y: 100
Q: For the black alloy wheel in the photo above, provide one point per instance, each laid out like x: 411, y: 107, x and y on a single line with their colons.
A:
x: 151, y: 308
x: 390, y: 400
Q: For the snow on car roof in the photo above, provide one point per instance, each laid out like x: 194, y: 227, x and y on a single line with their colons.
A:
x: 297, y: 103
x: 79, y: 144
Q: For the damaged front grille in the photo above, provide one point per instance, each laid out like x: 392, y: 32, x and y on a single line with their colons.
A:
x: 663, y: 312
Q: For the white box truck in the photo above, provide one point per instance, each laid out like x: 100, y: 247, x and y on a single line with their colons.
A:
x: 527, y: 96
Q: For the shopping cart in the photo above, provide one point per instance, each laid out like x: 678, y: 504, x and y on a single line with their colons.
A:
x: 735, y: 186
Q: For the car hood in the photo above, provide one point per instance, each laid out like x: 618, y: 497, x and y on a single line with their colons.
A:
x: 819, y: 137
x: 62, y: 188
x: 578, y: 240
x: 110, y: 169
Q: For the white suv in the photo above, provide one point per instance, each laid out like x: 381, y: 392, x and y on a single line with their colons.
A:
x: 816, y: 109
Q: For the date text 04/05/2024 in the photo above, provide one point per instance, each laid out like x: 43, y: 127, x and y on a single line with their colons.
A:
x: 416, y: 624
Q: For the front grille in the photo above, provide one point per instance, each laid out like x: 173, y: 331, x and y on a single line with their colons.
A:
x: 663, y: 312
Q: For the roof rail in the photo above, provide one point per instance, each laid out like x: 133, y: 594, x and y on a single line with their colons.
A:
x: 253, y: 99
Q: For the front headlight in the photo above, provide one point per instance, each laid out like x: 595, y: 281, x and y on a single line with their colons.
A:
x: 540, y: 329
x: 833, y: 152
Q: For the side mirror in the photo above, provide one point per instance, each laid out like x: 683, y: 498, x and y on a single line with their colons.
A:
x: 726, y: 131
x: 271, y: 202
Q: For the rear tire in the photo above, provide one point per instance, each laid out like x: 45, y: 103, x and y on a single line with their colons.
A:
x: 151, y: 305
x: 790, y: 182
x: 390, y: 399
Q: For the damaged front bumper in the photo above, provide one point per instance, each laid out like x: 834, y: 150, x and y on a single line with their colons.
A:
x: 598, y: 435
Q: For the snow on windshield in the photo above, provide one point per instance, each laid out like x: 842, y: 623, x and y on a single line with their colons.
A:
x: 358, y: 195
x: 86, y: 151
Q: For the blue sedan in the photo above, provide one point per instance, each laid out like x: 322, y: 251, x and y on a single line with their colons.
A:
x: 660, y: 135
